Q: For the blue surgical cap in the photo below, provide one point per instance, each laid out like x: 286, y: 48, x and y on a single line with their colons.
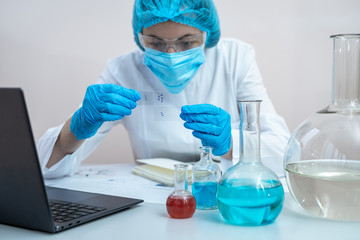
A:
x: 200, y: 14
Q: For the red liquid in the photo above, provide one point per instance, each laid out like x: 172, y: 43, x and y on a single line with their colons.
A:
x: 181, y: 206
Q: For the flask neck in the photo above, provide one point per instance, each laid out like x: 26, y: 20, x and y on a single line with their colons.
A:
x: 205, y: 154
x: 180, y: 179
x: 249, y: 131
x: 346, y: 72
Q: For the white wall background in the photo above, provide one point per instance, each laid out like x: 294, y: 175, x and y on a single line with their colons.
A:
x: 54, y: 49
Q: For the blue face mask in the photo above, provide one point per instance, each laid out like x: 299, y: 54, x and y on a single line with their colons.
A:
x: 174, y: 70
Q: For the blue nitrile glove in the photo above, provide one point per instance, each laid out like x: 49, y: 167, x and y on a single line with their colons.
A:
x: 102, y: 102
x: 211, y: 125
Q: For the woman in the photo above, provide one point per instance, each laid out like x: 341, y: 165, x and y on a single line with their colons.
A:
x: 177, y: 92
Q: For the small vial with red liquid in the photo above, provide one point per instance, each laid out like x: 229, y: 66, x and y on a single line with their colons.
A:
x: 181, y: 203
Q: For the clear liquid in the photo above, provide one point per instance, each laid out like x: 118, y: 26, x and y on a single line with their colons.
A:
x: 246, y: 205
x: 205, y: 194
x: 326, y: 188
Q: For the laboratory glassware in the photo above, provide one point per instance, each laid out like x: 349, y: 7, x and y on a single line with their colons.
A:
x: 205, y: 176
x: 322, y: 159
x: 181, y: 203
x: 250, y: 193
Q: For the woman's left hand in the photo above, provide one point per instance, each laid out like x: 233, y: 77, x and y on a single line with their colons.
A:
x: 211, y: 124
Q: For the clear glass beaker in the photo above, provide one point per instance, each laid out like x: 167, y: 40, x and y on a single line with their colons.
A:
x: 205, y: 176
x: 322, y: 159
x: 181, y: 203
x: 249, y: 193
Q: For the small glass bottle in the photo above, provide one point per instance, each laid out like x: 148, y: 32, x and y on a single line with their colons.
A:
x: 181, y: 203
x: 205, y: 176
x: 249, y: 193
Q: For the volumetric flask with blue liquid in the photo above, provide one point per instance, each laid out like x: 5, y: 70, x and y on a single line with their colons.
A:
x: 249, y: 193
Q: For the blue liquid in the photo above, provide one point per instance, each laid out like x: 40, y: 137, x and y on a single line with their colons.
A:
x: 250, y: 206
x: 205, y: 194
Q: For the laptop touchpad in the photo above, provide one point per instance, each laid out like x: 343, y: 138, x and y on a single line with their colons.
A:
x: 68, y: 195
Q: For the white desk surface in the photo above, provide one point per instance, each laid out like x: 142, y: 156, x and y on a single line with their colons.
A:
x: 150, y: 220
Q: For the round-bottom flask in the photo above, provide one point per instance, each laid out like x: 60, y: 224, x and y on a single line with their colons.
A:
x: 205, y: 176
x: 181, y: 203
x: 322, y: 160
x: 249, y: 193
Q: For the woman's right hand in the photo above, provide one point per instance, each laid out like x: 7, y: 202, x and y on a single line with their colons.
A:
x: 102, y: 102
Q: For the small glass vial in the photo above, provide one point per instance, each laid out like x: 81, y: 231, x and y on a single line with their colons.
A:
x: 249, y: 193
x: 205, y: 176
x: 181, y: 203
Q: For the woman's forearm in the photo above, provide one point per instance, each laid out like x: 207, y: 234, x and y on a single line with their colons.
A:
x: 66, y: 143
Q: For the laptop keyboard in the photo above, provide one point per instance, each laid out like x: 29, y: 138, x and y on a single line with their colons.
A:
x: 66, y: 211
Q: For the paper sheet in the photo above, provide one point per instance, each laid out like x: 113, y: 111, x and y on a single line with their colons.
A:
x: 114, y: 179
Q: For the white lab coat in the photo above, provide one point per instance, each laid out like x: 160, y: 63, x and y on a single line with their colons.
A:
x: 155, y: 129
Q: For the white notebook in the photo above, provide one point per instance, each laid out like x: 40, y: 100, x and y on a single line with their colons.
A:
x: 160, y: 170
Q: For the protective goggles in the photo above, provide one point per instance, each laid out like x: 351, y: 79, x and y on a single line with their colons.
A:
x: 178, y: 44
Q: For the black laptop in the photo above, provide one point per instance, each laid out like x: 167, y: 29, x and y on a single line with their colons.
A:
x: 24, y: 199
